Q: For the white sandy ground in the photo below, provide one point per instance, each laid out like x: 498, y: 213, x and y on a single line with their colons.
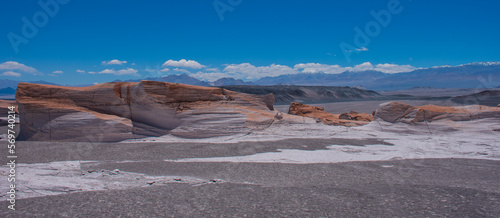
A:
x: 34, y: 180
x: 441, y: 139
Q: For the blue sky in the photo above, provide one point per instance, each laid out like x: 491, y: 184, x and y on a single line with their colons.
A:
x: 254, y: 39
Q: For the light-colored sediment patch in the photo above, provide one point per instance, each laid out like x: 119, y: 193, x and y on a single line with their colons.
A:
x: 475, y: 139
x: 43, y: 179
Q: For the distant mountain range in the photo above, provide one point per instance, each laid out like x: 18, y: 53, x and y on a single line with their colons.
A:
x: 7, y: 91
x: 181, y: 78
x: 230, y: 82
x: 473, y: 75
x: 7, y: 83
x: 185, y: 79
x: 307, y: 94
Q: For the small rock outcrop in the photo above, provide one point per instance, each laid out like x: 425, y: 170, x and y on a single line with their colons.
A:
x: 353, y: 115
x: 392, y: 111
x: 400, y: 112
x: 304, y: 109
x: 346, y: 119
x: 278, y: 116
x: 117, y: 111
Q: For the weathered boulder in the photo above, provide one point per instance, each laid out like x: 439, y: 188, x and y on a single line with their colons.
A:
x: 392, y: 111
x: 353, y: 115
x: 346, y: 119
x: 303, y: 109
x: 400, y: 112
x: 118, y: 111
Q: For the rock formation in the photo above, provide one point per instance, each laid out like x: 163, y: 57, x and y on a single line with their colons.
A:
x: 4, y: 109
x: 400, y: 112
x: 353, y: 115
x: 346, y: 119
x: 117, y: 111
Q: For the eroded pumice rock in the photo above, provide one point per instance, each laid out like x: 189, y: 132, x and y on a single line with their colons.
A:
x: 346, y: 119
x: 117, y: 111
x: 400, y: 112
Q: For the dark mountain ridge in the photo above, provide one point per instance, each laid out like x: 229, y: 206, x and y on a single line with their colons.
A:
x: 285, y: 94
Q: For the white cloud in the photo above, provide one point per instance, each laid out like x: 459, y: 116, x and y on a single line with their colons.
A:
x: 58, y: 72
x: 316, y: 68
x: 12, y: 65
x: 11, y: 73
x: 128, y: 71
x: 336, y: 69
x: 247, y: 71
x: 212, y: 69
x: 183, y: 63
x: 362, y: 67
x: 331, y: 69
x: 113, y: 62
x: 80, y: 71
x: 362, y: 49
x: 394, y: 68
x: 164, y: 70
x: 384, y: 68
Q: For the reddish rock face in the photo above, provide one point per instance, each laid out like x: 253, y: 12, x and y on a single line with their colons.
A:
x: 400, y: 112
x: 346, y: 119
x: 353, y: 115
x: 117, y: 111
x: 303, y: 109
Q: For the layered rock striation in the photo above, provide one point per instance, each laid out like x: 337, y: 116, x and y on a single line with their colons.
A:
x: 117, y: 111
x: 400, y: 112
